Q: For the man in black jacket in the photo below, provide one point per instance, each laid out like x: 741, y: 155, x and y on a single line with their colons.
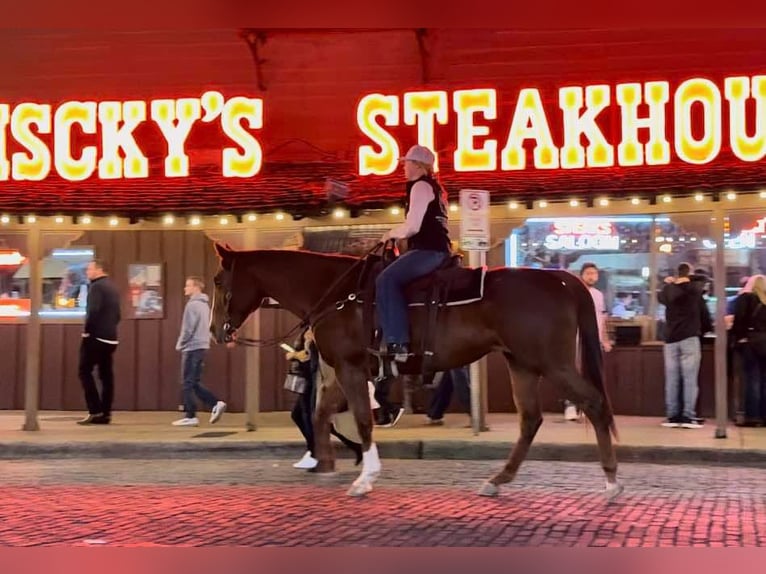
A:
x: 99, y: 341
x: 687, y: 319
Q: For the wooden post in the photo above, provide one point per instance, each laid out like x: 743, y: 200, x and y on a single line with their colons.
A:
x: 253, y: 354
x: 719, y: 283
x: 34, y: 342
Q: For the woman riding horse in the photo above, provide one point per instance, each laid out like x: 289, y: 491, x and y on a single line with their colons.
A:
x: 428, y: 245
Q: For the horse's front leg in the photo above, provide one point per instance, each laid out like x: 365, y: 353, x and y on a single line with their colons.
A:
x: 325, y: 409
x: 353, y: 379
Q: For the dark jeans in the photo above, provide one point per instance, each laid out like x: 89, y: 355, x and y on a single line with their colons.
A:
x: 192, y: 363
x: 754, y: 371
x: 96, y: 353
x: 457, y: 380
x: 389, y: 287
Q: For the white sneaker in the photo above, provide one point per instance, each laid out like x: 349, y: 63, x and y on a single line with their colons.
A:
x: 570, y: 413
x: 217, y: 411
x: 307, y: 462
x: 186, y: 422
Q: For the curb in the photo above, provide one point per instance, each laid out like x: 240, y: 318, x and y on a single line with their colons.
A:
x: 410, y: 450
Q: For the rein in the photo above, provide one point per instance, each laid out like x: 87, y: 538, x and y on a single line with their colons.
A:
x: 309, y: 318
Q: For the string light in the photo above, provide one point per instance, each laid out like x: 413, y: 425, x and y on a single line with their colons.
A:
x: 453, y: 207
x: 574, y: 203
x: 31, y: 219
x: 252, y: 217
x: 5, y: 220
x: 513, y: 205
x: 86, y: 220
x: 224, y: 221
x: 168, y: 220
x: 763, y: 195
x: 731, y: 196
x: 280, y: 216
x: 195, y: 220
x: 603, y: 202
x: 395, y: 211
x: 114, y: 222
x: 667, y: 199
x: 338, y: 213
x: 635, y: 201
x: 543, y: 203
x: 699, y: 197
x: 59, y: 219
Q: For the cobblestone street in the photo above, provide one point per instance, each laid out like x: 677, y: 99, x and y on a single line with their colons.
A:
x: 181, y: 502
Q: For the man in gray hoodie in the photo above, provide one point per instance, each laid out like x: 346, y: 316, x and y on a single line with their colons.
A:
x: 193, y: 342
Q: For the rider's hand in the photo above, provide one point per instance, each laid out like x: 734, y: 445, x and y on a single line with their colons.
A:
x: 302, y: 356
x: 607, y: 345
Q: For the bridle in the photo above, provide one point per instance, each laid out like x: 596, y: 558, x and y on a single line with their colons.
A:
x: 318, y: 312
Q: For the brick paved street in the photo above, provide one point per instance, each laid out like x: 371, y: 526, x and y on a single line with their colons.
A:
x: 181, y: 502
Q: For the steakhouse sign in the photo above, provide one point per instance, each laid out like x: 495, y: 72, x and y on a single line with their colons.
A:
x: 112, y: 151
x: 694, y: 111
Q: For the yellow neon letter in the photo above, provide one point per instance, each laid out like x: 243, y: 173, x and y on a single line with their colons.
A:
x: 5, y: 166
x: 422, y: 108
x: 111, y: 165
x: 466, y: 103
x: 688, y: 148
x: 657, y: 149
x: 746, y: 148
x: 37, y: 165
x: 248, y: 162
x: 369, y: 108
x: 175, y: 119
x: 68, y: 113
x: 600, y: 152
x: 529, y: 122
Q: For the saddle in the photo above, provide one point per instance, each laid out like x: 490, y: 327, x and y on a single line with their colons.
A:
x: 449, y: 285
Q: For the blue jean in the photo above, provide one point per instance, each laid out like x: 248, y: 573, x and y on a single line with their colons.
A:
x: 754, y: 371
x: 389, y: 287
x: 192, y: 363
x: 457, y: 380
x: 682, y: 361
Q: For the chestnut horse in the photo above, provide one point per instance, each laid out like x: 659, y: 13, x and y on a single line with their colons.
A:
x: 531, y: 316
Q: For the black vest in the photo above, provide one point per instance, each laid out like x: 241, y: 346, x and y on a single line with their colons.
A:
x: 433, y: 234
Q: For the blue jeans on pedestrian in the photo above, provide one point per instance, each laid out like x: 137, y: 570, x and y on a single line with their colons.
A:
x: 457, y: 380
x: 390, y: 300
x: 754, y: 371
x: 682, y: 362
x: 192, y: 363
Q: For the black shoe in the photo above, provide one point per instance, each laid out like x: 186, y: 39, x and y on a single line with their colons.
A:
x: 673, y: 422
x: 101, y: 420
x: 89, y: 420
x: 689, y: 423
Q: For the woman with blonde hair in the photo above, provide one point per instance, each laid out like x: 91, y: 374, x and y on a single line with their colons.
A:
x: 749, y: 331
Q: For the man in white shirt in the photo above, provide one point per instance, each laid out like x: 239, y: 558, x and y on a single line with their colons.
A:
x: 589, y: 275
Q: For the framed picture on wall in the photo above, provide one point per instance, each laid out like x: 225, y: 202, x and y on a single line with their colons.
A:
x: 145, y: 290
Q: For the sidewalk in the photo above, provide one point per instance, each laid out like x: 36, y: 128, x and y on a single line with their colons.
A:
x: 149, y: 435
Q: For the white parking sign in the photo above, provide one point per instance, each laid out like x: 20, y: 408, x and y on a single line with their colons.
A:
x: 474, y: 220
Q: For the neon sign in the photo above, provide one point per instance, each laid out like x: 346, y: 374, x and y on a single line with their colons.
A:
x: 112, y: 151
x: 582, y: 234
x: 473, y: 112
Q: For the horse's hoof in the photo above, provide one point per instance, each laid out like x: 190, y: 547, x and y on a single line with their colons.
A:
x: 613, y: 490
x: 359, y: 489
x: 488, y: 489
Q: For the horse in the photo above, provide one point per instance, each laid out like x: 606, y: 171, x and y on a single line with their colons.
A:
x: 533, y: 317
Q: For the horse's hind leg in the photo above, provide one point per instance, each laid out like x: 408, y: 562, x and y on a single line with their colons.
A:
x: 594, y: 405
x: 354, y: 381
x: 525, y: 396
x: 327, y: 406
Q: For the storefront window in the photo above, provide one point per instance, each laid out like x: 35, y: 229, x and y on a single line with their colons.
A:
x: 65, y: 285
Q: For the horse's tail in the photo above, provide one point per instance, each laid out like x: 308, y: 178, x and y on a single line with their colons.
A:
x: 591, y: 356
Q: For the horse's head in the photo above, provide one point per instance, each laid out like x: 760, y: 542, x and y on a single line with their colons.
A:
x: 236, y: 295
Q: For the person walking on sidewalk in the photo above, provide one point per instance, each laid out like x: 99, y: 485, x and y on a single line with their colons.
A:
x: 99, y: 341
x: 194, y: 342
x: 589, y: 276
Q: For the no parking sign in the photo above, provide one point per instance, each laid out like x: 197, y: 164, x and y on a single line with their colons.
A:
x: 474, y: 220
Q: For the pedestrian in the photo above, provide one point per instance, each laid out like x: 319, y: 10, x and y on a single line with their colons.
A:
x: 99, y: 341
x: 687, y: 320
x: 455, y: 380
x: 194, y: 342
x: 589, y: 276
x: 304, y: 364
x: 749, y: 334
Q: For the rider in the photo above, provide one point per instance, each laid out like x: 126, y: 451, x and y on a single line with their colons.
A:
x: 428, y: 245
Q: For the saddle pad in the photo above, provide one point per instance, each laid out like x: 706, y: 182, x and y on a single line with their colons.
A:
x: 465, y: 286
